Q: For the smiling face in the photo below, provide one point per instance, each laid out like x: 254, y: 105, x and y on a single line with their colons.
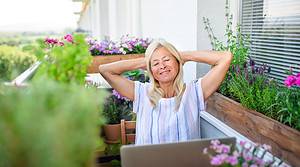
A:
x: 164, y: 66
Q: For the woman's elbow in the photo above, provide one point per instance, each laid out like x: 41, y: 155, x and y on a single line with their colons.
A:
x: 102, y: 69
x: 228, y: 56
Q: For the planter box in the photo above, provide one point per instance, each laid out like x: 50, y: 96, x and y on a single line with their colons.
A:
x: 98, y: 60
x: 284, y: 140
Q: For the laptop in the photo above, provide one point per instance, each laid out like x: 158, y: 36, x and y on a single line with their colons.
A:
x: 181, y: 154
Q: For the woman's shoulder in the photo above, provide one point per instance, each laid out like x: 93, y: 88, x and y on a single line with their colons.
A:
x: 141, y: 87
x: 143, y: 84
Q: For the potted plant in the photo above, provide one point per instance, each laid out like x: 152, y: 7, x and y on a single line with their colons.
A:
x: 254, y: 104
x: 117, y: 107
x: 107, y: 51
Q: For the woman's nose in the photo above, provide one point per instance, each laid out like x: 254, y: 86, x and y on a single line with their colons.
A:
x: 162, y: 66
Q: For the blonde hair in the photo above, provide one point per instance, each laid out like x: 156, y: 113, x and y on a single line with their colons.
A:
x: 155, y: 93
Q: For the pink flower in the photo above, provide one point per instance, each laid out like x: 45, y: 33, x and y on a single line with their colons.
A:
x: 61, y: 44
x: 245, y: 164
x: 232, y: 160
x: 218, y: 159
x: 215, y: 142
x: 247, y: 157
x: 290, y: 81
x: 266, y: 147
x: 51, y: 41
x: 297, y: 82
x: 69, y: 38
x: 225, y: 148
x: 242, y: 143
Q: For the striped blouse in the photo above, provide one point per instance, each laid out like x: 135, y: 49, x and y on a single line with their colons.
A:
x: 162, y: 124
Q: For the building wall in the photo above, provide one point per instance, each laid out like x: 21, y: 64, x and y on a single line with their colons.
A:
x: 176, y: 22
x: 179, y: 22
x: 214, y: 10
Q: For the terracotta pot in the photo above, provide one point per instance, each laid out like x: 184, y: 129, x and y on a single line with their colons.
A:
x: 98, y: 60
x: 285, y: 141
x: 112, y: 133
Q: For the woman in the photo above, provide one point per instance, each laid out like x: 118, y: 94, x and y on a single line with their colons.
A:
x: 167, y: 109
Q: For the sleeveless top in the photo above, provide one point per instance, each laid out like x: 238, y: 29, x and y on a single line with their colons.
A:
x: 163, y: 124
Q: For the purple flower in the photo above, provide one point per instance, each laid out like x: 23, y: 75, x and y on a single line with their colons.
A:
x: 118, y: 95
x: 258, y: 161
x: 246, y: 156
x: 245, y: 164
x: 69, y: 38
x: 232, y: 160
x: 252, y: 63
x: 218, y: 159
x: 225, y: 148
x: 215, y: 142
x: 290, y: 81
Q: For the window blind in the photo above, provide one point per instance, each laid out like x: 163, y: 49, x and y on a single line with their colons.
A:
x: 273, y: 27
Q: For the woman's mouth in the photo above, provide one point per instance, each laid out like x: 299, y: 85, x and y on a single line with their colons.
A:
x: 164, y: 72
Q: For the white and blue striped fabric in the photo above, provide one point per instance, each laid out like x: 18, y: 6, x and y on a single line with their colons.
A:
x: 163, y: 124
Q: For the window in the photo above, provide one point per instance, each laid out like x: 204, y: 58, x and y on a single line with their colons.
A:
x: 274, y: 30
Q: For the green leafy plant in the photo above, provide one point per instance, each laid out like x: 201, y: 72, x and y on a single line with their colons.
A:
x: 49, y: 124
x: 67, y: 61
x: 250, y: 84
x: 13, y: 61
x: 137, y: 75
x: 236, y: 42
x: 116, y: 108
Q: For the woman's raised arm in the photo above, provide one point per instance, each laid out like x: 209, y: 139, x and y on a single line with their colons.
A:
x: 112, y: 74
x: 221, y: 62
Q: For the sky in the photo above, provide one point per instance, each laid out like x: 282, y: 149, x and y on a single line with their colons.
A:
x: 38, y: 15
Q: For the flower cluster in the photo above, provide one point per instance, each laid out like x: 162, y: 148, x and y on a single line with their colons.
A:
x: 244, y: 154
x: 118, y: 95
x: 126, y: 45
x: 51, y: 42
x: 292, y: 80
